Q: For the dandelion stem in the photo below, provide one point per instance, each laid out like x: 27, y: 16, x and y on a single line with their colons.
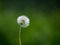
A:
x: 20, y: 36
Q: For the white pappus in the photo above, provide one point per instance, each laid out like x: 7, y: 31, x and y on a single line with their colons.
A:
x: 23, y: 21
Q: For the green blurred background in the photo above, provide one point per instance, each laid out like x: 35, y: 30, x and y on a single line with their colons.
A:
x: 44, y: 26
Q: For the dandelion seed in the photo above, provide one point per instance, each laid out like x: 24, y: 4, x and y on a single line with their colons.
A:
x: 23, y: 21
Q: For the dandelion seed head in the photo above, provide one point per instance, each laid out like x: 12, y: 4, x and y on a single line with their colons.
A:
x: 23, y: 21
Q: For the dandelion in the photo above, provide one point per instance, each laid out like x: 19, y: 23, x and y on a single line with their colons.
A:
x: 23, y: 21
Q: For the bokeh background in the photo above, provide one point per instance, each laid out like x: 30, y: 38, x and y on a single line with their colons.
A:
x: 44, y: 26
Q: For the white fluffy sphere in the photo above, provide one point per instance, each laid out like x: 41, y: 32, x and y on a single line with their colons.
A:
x: 23, y: 21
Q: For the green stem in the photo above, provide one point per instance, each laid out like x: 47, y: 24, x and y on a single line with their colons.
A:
x: 20, y: 36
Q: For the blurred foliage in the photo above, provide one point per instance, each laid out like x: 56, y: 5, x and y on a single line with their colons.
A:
x: 44, y: 26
